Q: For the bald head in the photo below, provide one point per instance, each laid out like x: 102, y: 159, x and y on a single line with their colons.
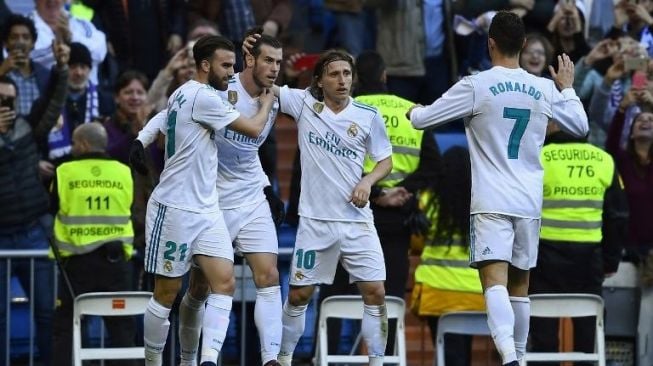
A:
x: 89, y: 138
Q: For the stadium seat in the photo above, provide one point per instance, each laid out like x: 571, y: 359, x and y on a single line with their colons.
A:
x: 569, y: 306
x: 459, y: 322
x: 351, y: 307
x: 107, y: 304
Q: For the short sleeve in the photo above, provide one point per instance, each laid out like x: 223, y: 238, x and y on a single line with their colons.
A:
x: 211, y: 110
x: 151, y: 130
x: 291, y: 100
x: 378, y: 145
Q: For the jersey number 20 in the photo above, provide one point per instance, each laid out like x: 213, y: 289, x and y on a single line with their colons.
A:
x: 521, y: 117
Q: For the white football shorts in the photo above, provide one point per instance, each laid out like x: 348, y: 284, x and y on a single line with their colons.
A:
x: 321, y: 244
x: 498, y: 237
x: 174, y: 236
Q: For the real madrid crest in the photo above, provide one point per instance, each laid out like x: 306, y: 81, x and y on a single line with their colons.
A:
x: 232, y: 97
x: 167, y: 266
x: 318, y: 107
x: 352, y: 131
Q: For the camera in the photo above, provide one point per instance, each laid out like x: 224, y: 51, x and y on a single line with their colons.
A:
x: 635, y: 63
x: 7, y: 102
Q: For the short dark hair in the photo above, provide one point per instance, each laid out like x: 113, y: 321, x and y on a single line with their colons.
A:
x: 206, y: 46
x: 127, y: 77
x: 4, y: 79
x: 325, y: 59
x: 264, y: 40
x: 370, y: 67
x: 17, y: 19
x: 508, y: 32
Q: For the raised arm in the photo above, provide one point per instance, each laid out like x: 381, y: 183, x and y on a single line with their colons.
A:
x: 456, y: 103
x: 566, y: 107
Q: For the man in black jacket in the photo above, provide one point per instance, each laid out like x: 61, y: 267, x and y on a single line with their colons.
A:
x: 25, y: 222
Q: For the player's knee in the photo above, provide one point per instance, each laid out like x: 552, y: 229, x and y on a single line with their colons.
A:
x: 224, y: 286
x: 267, y: 277
x: 166, y: 295
x: 199, y: 290
x: 373, y: 295
x: 299, y: 296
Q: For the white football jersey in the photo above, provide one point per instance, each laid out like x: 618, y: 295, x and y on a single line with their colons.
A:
x: 506, y: 111
x: 240, y: 175
x: 333, y: 147
x: 194, y: 112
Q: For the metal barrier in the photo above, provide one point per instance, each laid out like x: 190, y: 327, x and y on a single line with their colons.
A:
x: 9, y: 256
x: 245, y: 292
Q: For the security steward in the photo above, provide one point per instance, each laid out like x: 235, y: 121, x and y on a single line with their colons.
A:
x: 584, y: 219
x: 91, y: 197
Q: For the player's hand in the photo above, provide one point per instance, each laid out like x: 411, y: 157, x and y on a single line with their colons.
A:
x: 277, y: 207
x: 361, y: 193
x: 248, y: 43
x: 564, y: 77
x: 266, y: 98
x: 137, y: 157
x: 411, y: 109
x: 393, y: 197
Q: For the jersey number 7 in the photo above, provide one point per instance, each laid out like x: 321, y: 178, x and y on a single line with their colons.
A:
x: 521, y: 117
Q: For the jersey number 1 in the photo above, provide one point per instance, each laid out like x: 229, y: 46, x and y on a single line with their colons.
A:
x: 521, y: 117
x: 172, y: 123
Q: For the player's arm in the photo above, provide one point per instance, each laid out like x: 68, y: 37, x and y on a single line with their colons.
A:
x: 379, y: 149
x: 253, y: 127
x: 152, y: 128
x: 566, y: 107
x: 361, y: 193
x: 145, y: 137
x: 456, y: 103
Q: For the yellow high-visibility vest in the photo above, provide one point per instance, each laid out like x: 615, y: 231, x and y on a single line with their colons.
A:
x: 406, y: 141
x: 442, y: 266
x: 95, y: 198
x: 576, y: 176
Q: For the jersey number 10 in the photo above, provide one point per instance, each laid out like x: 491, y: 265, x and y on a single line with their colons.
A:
x: 521, y: 117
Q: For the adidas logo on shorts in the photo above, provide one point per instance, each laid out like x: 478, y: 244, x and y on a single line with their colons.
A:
x: 486, y: 251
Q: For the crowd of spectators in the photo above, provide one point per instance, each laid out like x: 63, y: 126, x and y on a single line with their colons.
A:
x: 126, y: 57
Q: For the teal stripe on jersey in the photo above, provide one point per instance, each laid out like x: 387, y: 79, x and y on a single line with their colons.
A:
x: 151, y: 253
x: 472, y: 239
x: 155, y: 239
x: 364, y: 106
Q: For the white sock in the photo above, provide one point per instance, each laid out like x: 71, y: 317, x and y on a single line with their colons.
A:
x: 214, y: 326
x: 191, y: 313
x: 521, y: 307
x: 374, y: 329
x: 294, y: 321
x: 155, y: 332
x: 285, y: 360
x: 267, y: 317
x: 501, y: 321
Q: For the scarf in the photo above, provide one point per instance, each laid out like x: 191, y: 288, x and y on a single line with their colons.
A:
x: 60, y: 137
